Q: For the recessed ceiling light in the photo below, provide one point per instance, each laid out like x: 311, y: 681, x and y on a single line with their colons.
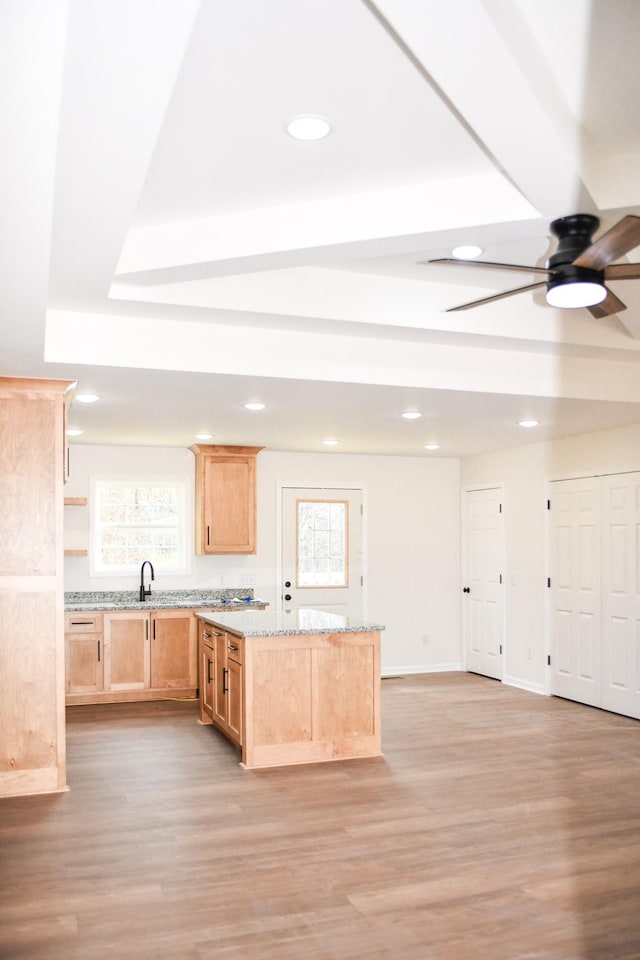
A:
x: 204, y: 436
x: 432, y: 446
x: 308, y: 127
x: 86, y: 397
x: 467, y: 252
x: 330, y: 443
x: 528, y: 423
x: 411, y: 415
x: 72, y: 432
x: 254, y: 406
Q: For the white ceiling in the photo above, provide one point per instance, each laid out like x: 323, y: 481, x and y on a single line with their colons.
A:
x: 166, y: 244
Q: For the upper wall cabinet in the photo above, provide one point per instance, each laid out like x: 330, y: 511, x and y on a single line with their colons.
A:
x: 225, y: 499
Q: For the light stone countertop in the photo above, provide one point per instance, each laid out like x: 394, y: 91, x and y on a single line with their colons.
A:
x: 272, y: 622
x: 221, y: 599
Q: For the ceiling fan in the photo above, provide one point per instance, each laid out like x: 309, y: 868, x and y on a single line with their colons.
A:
x: 576, y: 273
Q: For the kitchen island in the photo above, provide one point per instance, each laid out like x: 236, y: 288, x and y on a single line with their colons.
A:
x: 287, y: 687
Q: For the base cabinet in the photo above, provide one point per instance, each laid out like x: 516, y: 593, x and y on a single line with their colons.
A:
x: 130, y: 655
x: 293, y: 698
x: 84, y: 654
x: 221, y: 682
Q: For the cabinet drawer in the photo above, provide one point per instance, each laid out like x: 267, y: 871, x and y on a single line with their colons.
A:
x: 234, y: 649
x: 83, y: 622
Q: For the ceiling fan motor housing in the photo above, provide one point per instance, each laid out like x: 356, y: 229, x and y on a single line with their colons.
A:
x: 575, y: 235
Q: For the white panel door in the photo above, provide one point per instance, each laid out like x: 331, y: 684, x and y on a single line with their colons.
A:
x: 621, y: 593
x: 483, y: 604
x: 322, y: 549
x: 575, y: 643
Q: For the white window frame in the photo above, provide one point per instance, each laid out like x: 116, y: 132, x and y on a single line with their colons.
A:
x: 184, y: 526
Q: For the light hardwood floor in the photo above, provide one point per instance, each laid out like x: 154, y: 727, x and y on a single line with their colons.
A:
x: 498, y: 825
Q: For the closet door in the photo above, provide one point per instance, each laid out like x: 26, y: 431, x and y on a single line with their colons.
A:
x: 621, y: 593
x: 575, y: 618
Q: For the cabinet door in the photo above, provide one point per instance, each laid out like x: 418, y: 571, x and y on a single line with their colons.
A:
x: 234, y: 700
x: 84, y: 663
x: 229, y: 505
x: 220, y: 685
x: 207, y: 681
x: 173, y: 650
x: 126, y: 665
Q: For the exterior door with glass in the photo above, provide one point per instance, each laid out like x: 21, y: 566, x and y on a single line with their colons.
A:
x: 322, y: 549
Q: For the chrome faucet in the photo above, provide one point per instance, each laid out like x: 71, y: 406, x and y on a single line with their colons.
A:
x: 144, y: 591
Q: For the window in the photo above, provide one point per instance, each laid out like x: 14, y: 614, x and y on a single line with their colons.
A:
x: 322, y: 543
x: 137, y: 520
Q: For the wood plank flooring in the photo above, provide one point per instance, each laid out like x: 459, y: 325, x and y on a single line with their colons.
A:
x: 498, y: 825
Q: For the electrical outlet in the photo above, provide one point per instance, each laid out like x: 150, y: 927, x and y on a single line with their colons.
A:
x: 248, y: 580
x: 217, y: 580
x: 425, y: 640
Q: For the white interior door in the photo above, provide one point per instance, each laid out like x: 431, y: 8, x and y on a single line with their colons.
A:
x: 483, y: 610
x: 575, y: 643
x: 322, y: 549
x: 621, y: 593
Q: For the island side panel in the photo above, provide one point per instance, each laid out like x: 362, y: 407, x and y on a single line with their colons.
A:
x: 311, y: 698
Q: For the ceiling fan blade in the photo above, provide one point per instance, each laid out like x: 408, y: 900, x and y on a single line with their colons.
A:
x: 622, y: 271
x: 612, y: 245
x: 497, y: 296
x: 492, y: 266
x: 609, y: 305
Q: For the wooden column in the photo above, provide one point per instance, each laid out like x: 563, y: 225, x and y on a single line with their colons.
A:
x: 32, y: 475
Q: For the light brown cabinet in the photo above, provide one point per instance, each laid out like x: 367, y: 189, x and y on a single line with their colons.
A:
x: 145, y: 655
x: 292, y: 698
x: 225, y: 499
x: 221, y: 681
x: 32, y: 460
x: 84, y: 653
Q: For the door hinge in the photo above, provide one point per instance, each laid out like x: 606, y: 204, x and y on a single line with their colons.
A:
x: 549, y: 660
x: 362, y: 581
x: 362, y: 510
x: 548, y: 504
x: 548, y: 581
x: 500, y: 578
x: 500, y: 508
x: 500, y: 649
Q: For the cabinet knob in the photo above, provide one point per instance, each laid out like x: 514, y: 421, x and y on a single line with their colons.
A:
x: 287, y: 596
x: 287, y: 583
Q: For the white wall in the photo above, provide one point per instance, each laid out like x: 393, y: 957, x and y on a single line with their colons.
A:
x: 412, y: 539
x: 524, y: 471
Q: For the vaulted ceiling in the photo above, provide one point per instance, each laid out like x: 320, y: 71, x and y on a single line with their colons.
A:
x: 166, y: 243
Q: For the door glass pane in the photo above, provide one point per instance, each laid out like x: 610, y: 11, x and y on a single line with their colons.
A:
x: 322, y: 552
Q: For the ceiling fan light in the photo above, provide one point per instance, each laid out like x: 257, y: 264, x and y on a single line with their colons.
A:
x: 575, y: 293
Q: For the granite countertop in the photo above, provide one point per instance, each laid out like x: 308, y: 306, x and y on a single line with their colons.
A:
x: 232, y: 598
x: 270, y: 623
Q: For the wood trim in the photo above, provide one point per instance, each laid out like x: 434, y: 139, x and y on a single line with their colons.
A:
x: 75, y: 501
x: 221, y: 451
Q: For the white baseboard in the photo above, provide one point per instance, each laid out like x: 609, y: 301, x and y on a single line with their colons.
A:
x: 525, y: 685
